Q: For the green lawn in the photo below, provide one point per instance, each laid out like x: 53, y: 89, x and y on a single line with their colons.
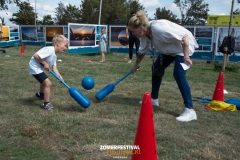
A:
x: 70, y: 132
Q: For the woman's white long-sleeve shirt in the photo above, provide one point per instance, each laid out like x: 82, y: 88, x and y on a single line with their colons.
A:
x: 167, y: 38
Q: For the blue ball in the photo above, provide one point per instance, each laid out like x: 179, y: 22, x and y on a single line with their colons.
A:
x: 88, y: 82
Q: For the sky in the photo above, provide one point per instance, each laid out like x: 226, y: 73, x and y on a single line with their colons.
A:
x: 45, y: 7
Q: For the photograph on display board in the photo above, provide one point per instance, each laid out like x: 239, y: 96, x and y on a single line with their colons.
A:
x: 82, y: 35
x: 14, y: 33
x: 14, y: 29
x: 98, y: 31
x: 235, y: 33
x: 204, y: 32
x: 40, y: 33
x: 29, y: 33
x: 51, y: 31
x: 4, y: 33
x: 98, y: 37
x: 204, y: 37
x: 118, y: 36
x: 65, y: 31
x: 98, y: 34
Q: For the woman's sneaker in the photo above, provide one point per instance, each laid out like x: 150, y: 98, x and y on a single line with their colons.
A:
x: 38, y: 95
x: 154, y: 102
x: 48, y: 106
x: 187, y: 115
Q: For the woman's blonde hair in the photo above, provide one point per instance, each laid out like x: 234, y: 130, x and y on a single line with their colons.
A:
x: 140, y: 19
x: 59, y: 38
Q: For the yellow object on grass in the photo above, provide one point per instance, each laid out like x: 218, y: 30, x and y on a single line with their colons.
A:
x: 219, y: 106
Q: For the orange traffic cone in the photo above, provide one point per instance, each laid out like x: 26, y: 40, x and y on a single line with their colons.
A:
x: 145, y: 136
x: 219, y: 89
x: 22, y: 49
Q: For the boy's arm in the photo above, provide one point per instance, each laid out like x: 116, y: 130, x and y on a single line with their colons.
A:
x: 41, y: 61
x: 54, y: 68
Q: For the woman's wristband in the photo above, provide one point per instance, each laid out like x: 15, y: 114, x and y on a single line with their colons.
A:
x: 186, y: 58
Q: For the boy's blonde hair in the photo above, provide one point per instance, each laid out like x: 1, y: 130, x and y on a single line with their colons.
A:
x: 59, y: 38
x: 140, y: 19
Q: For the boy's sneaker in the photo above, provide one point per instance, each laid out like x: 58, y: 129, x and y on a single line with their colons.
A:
x: 154, y: 102
x: 48, y: 106
x: 130, y: 61
x: 187, y: 115
x: 38, y: 95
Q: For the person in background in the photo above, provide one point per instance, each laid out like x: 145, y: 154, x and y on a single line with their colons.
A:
x: 45, y: 59
x: 176, y: 45
x: 102, y: 44
x: 132, y: 39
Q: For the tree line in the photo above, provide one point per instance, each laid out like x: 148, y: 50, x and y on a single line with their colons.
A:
x: 193, y: 12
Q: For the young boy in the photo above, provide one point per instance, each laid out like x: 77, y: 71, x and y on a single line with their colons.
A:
x: 44, y: 59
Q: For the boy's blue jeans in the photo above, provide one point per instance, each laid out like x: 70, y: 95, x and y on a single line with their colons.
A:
x: 180, y: 76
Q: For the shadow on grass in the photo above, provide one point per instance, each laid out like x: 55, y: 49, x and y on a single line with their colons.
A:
x: 120, y: 100
x: 29, y: 101
x: 74, y: 108
x: 33, y: 101
x: 108, y: 61
x: 162, y: 110
x: 134, y: 102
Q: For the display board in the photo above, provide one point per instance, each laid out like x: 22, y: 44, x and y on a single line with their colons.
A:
x: 33, y: 35
x: 9, y: 36
x: 84, y: 38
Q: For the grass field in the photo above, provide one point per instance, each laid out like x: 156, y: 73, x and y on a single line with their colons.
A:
x: 70, y: 132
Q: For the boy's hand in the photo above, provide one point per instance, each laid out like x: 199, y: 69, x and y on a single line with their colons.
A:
x: 61, y: 79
